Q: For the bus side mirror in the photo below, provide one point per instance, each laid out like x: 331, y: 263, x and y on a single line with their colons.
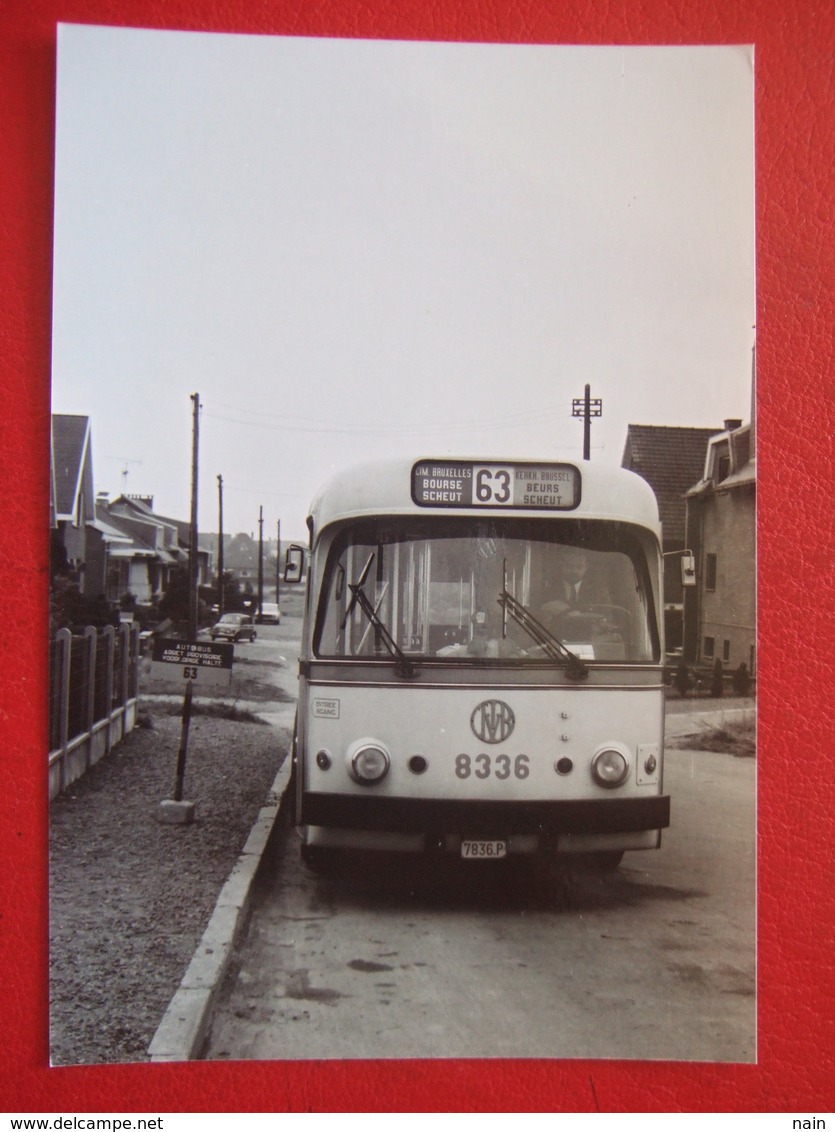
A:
x: 688, y: 569
x: 294, y: 564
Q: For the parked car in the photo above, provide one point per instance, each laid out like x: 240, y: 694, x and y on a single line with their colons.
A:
x: 270, y: 613
x: 234, y: 627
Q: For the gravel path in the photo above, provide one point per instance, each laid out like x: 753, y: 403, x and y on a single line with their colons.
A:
x: 130, y: 897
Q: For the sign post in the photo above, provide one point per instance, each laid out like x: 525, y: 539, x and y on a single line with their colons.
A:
x: 191, y: 663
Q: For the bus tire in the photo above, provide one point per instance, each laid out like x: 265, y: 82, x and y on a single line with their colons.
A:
x: 318, y: 858
x: 605, y: 862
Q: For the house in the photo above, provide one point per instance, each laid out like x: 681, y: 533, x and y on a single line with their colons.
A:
x: 240, y: 558
x: 157, y: 546
x: 205, y: 557
x: 72, y: 499
x: 139, y: 554
x: 720, y: 611
x: 109, y: 547
x: 106, y: 545
x: 671, y: 460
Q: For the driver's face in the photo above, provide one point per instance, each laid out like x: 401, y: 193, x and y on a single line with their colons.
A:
x: 574, y: 568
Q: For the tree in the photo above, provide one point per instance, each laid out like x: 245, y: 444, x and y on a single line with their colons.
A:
x: 71, y: 609
x: 232, y: 600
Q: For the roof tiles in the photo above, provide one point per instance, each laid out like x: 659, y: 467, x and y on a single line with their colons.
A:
x: 69, y: 436
x: 671, y: 460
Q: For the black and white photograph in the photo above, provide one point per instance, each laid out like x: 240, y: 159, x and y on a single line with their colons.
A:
x: 403, y: 659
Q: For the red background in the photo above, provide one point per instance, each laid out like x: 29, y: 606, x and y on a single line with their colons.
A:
x: 795, y: 171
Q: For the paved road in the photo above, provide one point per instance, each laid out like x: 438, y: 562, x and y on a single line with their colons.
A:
x: 280, y: 642
x: 654, y: 962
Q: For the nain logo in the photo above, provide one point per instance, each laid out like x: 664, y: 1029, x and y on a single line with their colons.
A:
x: 492, y: 721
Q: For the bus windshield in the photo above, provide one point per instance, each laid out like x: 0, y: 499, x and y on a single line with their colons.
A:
x: 461, y: 589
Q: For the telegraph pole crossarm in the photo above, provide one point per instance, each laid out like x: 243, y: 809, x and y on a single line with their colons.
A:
x: 587, y: 407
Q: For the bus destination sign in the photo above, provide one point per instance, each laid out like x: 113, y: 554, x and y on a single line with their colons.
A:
x: 526, y: 487
x: 195, y: 661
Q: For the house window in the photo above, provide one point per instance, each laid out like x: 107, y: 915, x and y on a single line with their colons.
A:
x: 710, y: 572
x: 726, y: 650
x: 723, y: 467
x: 709, y: 648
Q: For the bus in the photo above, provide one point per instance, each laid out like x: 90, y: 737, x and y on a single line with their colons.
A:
x: 481, y: 674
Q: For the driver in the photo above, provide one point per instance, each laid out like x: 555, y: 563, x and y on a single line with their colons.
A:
x: 573, y: 589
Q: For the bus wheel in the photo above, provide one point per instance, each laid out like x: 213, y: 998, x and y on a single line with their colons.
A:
x: 605, y: 862
x: 318, y: 858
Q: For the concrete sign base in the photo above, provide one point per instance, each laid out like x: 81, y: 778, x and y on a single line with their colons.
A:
x: 176, y: 813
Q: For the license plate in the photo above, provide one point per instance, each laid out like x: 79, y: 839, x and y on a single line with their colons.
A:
x: 483, y: 850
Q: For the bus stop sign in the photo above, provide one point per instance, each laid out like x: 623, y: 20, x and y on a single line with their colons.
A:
x: 197, y: 662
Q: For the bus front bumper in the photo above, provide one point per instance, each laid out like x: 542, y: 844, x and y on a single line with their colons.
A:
x: 433, y: 816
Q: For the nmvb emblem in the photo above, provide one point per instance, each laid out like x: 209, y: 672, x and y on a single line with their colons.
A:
x: 492, y: 721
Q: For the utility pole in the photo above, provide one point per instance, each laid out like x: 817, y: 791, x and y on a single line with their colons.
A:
x: 192, y: 550
x: 190, y: 659
x: 220, y: 586
x: 278, y: 562
x: 260, y: 558
x: 587, y: 407
x: 192, y: 600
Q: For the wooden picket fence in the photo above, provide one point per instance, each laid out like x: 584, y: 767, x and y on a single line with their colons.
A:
x: 93, y: 681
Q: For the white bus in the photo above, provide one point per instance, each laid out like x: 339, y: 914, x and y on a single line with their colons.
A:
x: 481, y: 664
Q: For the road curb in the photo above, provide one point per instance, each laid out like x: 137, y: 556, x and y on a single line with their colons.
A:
x: 184, y: 1026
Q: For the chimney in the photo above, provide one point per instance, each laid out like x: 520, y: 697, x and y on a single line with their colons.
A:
x: 732, y: 423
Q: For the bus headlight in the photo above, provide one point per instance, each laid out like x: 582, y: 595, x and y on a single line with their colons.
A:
x: 368, y: 761
x: 609, y: 767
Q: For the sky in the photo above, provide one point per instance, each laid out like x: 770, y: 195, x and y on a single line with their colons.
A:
x: 356, y: 249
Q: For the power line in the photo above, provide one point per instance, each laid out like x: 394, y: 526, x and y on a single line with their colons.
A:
x: 295, y: 421
x: 470, y: 428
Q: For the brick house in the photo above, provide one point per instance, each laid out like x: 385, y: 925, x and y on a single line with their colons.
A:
x: 671, y: 460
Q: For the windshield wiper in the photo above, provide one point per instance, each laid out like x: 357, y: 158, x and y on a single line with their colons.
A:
x: 404, y: 666
x: 575, y: 669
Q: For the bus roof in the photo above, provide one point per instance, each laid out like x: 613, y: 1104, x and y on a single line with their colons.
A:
x: 385, y: 488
